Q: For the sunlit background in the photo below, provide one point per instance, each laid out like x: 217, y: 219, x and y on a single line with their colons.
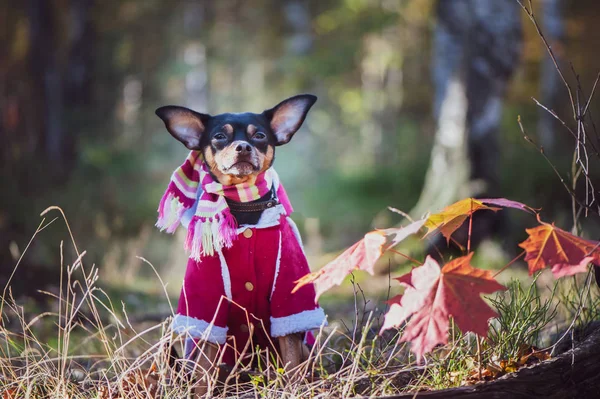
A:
x: 80, y: 80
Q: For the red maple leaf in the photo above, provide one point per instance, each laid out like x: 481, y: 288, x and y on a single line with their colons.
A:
x: 360, y: 256
x: 433, y: 294
x: 565, y: 253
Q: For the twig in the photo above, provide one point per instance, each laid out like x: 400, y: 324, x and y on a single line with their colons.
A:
x: 541, y: 151
x: 531, y: 16
x: 509, y: 263
x: 402, y: 213
x: 470, y: 228
x: 405, y: 256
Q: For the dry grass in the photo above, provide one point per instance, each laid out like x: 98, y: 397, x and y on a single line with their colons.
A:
x: 87, y: 346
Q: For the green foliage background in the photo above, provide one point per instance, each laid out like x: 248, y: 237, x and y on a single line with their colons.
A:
x: 365, y: 145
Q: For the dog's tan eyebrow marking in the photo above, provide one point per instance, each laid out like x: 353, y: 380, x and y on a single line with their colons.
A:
x: 228, y: 128
x: 251, y: 129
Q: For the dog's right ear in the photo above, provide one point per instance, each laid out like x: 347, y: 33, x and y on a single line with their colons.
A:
x: 184, y: 124
x: 287, y: 116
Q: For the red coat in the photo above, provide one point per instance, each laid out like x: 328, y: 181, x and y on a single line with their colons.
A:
x: 248, y: 288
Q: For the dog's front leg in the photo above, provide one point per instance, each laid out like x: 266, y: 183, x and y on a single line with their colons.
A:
x: 291, y: 350
x: 206, y: 360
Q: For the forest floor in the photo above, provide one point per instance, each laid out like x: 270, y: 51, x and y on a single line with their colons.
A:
x: 111, y: 341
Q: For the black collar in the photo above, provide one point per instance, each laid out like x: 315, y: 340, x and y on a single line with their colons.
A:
x: 249, y: 213
x: 252, y: 206
x: 267, y: 201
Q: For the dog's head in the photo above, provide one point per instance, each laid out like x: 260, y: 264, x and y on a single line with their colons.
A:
x: 237, y: 147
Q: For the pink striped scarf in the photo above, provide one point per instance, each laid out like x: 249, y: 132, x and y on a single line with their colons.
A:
x: 213, y: 226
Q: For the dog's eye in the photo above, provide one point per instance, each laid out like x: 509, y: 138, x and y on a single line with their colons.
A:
x: 260, y: 136
x: 219, y: 136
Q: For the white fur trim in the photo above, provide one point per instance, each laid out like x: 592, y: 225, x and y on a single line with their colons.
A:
x: 296, y: 232
x: 225, y: 275
x: 277, y: 264
x: 299, y: 322
x: 199, y: 329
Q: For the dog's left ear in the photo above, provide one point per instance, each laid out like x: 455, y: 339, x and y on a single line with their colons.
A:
x: 287, y: 116
x: 184, y: 124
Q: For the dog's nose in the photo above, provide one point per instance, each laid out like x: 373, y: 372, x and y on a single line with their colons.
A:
x: 243, y: 148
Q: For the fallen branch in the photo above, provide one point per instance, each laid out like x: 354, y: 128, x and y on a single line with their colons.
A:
x: 573, y: 374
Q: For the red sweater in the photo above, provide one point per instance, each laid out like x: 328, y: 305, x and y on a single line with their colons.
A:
x: 247, y: 288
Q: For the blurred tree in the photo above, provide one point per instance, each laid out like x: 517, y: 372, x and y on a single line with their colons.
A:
x: 550, y: 82
x: 45, y: 68
x: 60, y: 62
x: 59, y: 101
x: 80, y: 79
x: 476, y: 49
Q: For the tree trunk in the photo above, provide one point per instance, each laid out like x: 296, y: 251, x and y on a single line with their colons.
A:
x: 47, y: 77
x: 38, y: 150
x: 82, y: 40
x: 196, y: 79
x: 573, y: 374
x: 476, y: 49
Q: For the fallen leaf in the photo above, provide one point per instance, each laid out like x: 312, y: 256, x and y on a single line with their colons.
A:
x: 494, y: 370
x: 140, y: 382
x: 528, y: 355
x: 360, y: 256
x: 487, y: 374
x: 566, y: 254
x: 509, y: 366
x: 103, y: 393
x: 10, y: 393
x: 433, y: 294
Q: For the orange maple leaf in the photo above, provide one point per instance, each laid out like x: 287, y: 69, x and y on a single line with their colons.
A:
x: 565, y: 253
x: 453, y: 216
x: 360, y: 256
x: 433, y: 294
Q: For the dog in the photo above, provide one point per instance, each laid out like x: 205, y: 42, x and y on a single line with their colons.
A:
x: 245, y: 251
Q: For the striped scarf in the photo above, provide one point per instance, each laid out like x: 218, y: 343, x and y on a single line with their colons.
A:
x: 213, y: 226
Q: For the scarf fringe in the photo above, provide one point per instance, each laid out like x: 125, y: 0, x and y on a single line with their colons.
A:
x: 227, y: 228
x: 213, y: 227
x: 209, y: 235
x: 170, y: 211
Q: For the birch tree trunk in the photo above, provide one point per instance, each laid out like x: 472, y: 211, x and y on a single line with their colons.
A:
x: 476, y: 49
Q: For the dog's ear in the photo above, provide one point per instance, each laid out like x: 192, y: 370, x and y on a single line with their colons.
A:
x: 184, y: 124
x: 287, y: 116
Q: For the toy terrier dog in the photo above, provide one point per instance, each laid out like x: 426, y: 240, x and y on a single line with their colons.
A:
x: 245, y: 252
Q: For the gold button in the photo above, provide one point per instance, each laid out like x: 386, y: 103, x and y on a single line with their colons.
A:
x: 249, y: 286
x: 244, y: 328
x: 248, y: 233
